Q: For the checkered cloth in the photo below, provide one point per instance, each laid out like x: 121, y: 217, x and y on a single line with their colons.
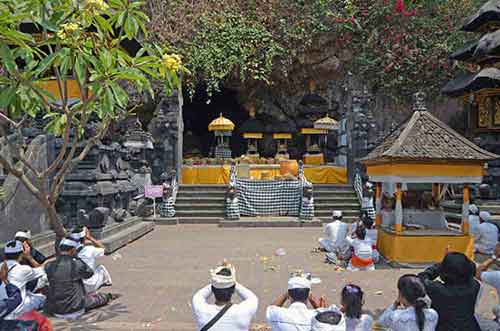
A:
x: 307, y: 209
x: 232, y: 209
x: 222, y: 152
x: 370, y: 212
x: 269, y: 198
x: 167, y: 208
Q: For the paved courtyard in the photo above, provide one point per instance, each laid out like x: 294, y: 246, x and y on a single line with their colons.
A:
x: 158, y: 274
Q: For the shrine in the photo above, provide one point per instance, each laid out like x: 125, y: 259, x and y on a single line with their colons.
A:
x: 423, y: 150
x: 479, y: 88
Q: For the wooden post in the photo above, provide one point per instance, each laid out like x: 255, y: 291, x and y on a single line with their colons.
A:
x: 435, y: 191
x: 398, y: 226
x: 465, y: 210
x: 378, y: 204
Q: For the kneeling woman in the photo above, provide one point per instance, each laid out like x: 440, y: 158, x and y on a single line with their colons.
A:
x: 362, y: 257
x: 410, y: 311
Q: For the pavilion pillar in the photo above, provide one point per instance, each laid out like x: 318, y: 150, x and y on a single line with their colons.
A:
x: 435, y: 191
x: 378, y: 204
x: 465, y: 210
x: 398, y: 211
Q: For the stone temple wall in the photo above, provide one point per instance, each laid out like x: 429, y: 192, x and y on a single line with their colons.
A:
x: 19, y: 209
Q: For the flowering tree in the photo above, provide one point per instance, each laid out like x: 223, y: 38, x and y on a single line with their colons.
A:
x: 79, y: 43
x: 395, y: 46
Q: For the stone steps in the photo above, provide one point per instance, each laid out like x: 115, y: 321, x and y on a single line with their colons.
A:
x: 328, y: 198
x: 206, y: 204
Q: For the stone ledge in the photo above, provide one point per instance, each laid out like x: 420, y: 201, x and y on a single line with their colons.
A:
x: 270, y: 224
x: 122, y: 238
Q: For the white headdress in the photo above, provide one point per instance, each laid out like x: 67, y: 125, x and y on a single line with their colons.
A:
x: 13, y: 247
x: 223, y: 276
x: 77, y: 235
x: 69, y: 242
x: 337, y: 213
x: 23, y: 234
x: 485, y: 216
x: 298, y: 282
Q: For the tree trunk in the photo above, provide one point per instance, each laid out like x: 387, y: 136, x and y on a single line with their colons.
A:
x: 56, y: 225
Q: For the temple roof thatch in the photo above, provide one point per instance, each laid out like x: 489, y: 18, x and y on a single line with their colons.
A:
x: 485, y: 49
x: 470, y: 83
x: 465, y: 53
x: 488, y: 13
x: 426, y: 138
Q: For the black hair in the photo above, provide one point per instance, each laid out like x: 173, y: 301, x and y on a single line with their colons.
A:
x: 299, y: 294
x: 456, y: 269
x: 329, y: 317
x: 360, y: 231
x: 223, y: 294
x: 65, y: 248
x: 412, y: 289
x: 352, y: 300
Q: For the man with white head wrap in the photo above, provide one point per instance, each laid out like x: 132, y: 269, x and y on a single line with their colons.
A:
x: 336, y: 233
x: 66, y: 296
x: 88, y: 251
x: 223, y: 315
x: 20, y: 275
x: 474, y: 221
x: 24, y: 236
x: 297, y: 317
x: 488, y: 235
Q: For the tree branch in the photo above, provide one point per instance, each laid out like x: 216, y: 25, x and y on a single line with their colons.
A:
x: 21, y: 176
x: 53, y: 166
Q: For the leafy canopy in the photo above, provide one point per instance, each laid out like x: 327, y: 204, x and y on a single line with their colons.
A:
x: 83, y: 41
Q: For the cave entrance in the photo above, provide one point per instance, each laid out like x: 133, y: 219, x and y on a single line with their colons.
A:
x: 198, y: 113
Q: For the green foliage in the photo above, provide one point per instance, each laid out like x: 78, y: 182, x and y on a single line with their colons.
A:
x: 77, y: 41
x: 396, y: 52
x: 228, y: 43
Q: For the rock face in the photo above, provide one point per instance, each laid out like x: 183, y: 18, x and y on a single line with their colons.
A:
x: 20, y: 209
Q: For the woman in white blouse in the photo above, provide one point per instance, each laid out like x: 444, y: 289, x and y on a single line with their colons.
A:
x: 410, y: 312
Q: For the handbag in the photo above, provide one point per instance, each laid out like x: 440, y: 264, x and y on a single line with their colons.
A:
x: 216, y: 317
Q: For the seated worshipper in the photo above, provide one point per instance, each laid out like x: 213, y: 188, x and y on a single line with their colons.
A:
x: 410, y: 312
x: 24, y: 236
x: 10, y: 295
x: 352, y: 300
x: 454, y: 296
x: 362, y: 257
x: 224, y: 315
x: 491, y: 278
x: 297, y: 317
x: 474, y: 221
x: 88, y: 250
x: 371, y: 234
x: 66, y: 297
x: 336, y: 232
x: 328, y: 320
x: 488, y: 235
x: 21, y: 275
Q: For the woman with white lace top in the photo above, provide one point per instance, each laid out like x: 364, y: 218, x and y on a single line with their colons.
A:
x: 410, y: 312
